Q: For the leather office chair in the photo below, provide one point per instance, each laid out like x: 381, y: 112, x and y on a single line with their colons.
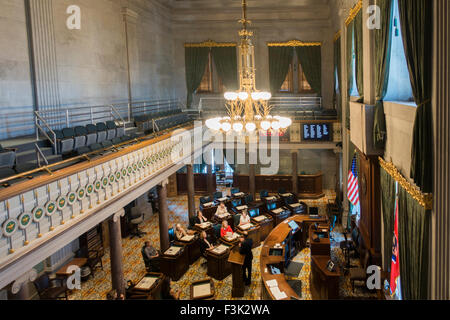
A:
x: 171, y: 235
x: 360, y: 274
x: 151, y: 265
x: 218, y: 195
x: 47, y: 289
x: 217, y: 228
x: 95, y: 261
x: 191, y: 223
x: 136, y: 218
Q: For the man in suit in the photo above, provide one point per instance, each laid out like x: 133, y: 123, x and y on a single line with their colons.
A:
x: 245, y: 248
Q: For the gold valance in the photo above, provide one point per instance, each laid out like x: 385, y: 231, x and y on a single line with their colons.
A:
x: 294, y: 43
x: 209, y: 44
x: 337, y: 35
x: 353, y: 12
x: 424, y: 199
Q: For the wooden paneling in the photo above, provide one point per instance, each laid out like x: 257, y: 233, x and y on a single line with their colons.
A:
x: 200, y: 182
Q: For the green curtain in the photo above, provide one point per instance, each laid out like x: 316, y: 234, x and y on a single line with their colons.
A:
x: 413, y: 234
x: 310, y: 58
x: 196, y: 60
x: 359, y: 61
x: 417, y: 28
x: 225, y: 61
x: 349, y: 58
x: 382, y: 57
x: 337, y: 66
x: 388, y: 204
x: 279, y: 60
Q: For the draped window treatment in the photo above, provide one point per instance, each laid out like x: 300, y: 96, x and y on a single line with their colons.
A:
x: 337, y: 66
x: 311, y: 60
x: 225, y: 61
x: 417, y: 28
x: 349, y: 58
x: 279, y: 60
x: 196, y: 59
x: 382, y: 57
x: 413, y: 233
x: 359, y: 63
x: 388, y: 204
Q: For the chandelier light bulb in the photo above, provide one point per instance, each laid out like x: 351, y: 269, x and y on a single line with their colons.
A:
x: 276, y: 125
x: 285, y: 122
x: 243, y: 95
x: 231, y: 96
x: 238, y: 126
x: 256, y: 95
x: 226, y: 126
x: 265, y: 125
x: 266, y: 96
x: 250, y: 127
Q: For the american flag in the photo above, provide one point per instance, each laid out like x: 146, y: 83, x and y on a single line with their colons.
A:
x: 352, y: 186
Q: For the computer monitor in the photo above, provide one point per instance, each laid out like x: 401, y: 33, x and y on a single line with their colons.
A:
x: 271, y: 206
x: 294, y: 226
x: 313, y: 211
x: 253, y: 212
x: 236, y: 202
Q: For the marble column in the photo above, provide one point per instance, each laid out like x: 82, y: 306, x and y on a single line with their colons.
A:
x: 251, y: 182
x: 163, y: 217
x: 295, y: 172
x: 116, y: 256
x: 191, y: 190
x: 209, y: 182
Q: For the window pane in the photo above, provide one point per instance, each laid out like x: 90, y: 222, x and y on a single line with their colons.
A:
x: 303, y: 84
x: 206, y: 85
x: 287, y: 84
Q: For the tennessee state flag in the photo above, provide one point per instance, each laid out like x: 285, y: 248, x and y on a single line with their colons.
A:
x: 395, y: 263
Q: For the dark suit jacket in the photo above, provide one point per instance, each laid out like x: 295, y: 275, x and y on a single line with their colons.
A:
x: 246, y: 249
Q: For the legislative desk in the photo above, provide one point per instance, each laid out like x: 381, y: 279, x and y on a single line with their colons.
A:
x: 253, y: 232
x: 319, y: 240
x: 206, y: 227
x: 265, y: 223
x: 230, y: 242
x: 209, y: 211
x: 175, y: 262
x: 218, y: 266
x: 279, y: 215
x: 192, y: 246
x: 323, y: 283
x: 278, y: 235
x: 150, y: 287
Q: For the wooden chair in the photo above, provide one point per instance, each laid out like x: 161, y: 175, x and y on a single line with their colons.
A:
x: 360, y: 274
x: 50, y: 289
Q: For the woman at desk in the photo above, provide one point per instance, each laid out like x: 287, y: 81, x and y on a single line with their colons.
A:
x: 204, y: 244
x: 199, y: 219
x: 225, y: 229
x: 245, y: 218
x: 180, y: 232
x: 221, y: 210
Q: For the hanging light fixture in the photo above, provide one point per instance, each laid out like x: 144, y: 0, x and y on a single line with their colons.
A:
x: 248, y: 109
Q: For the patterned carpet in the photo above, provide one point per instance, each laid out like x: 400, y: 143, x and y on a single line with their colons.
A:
x: 98, y: 286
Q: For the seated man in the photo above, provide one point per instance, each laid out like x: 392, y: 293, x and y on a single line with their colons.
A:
x: 226, y: 229
x: 221, y: 210
x: 151, y: 257
x: 204, y: 243
x: 180, y: 232
x: 199, y: 219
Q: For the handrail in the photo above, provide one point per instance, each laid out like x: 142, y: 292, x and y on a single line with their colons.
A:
x: 40, y: 154
x: 114, y: 110
x: 38, y: 118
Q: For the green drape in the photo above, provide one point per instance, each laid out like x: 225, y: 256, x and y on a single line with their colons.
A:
x: 413, y: 234
x: 349, y: 58
x: 310, y: 58
x: 225, y: 61
x: 388, y: 204
x: 337, y: 66
x: 382, y: 57
x: 417, y: 29
x: 279, y: 60
x: 196, y: 60
x: 359, y: 62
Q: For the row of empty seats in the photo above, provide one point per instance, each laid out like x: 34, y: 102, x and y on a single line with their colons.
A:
x: 81, y: 140
x: 157, y: 122
x: 7, y: 162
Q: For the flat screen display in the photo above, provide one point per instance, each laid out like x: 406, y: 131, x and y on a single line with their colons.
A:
x: 272, y: 206
x: 294, y: 226
x: 316, y: 132
x: 253, y: 213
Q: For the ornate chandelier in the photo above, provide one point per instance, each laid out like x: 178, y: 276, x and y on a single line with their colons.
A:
x: 248, y: 109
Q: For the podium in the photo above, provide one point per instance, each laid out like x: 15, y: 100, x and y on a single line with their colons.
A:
x: 237, y: 261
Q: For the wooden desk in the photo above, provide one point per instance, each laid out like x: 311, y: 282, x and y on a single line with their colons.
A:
x: 265, y: 227
x: 278, y: 235
x: 310, y: 186
x: 175, y: 266
x: 253, y: 233
x: 78, y: 262
x: 192, y: 247
x: 218, y: 266
x: 280, y: 217
x: 321, y: 247
x: 152, y: 293
x: 207, y: 286
x: 323, y: 283
x: 209, y: 230
x: 231, y: 244
x: 237, y: 261
x: 209, y: 212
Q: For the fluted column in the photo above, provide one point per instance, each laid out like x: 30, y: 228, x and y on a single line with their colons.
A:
x: 116, y: 255
x: 295, y: 172
x: 191, y: 190
x: 163, y: 217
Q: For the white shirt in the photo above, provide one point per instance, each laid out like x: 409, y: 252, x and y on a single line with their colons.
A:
x: 221, y: 211
x: 244, y: 220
